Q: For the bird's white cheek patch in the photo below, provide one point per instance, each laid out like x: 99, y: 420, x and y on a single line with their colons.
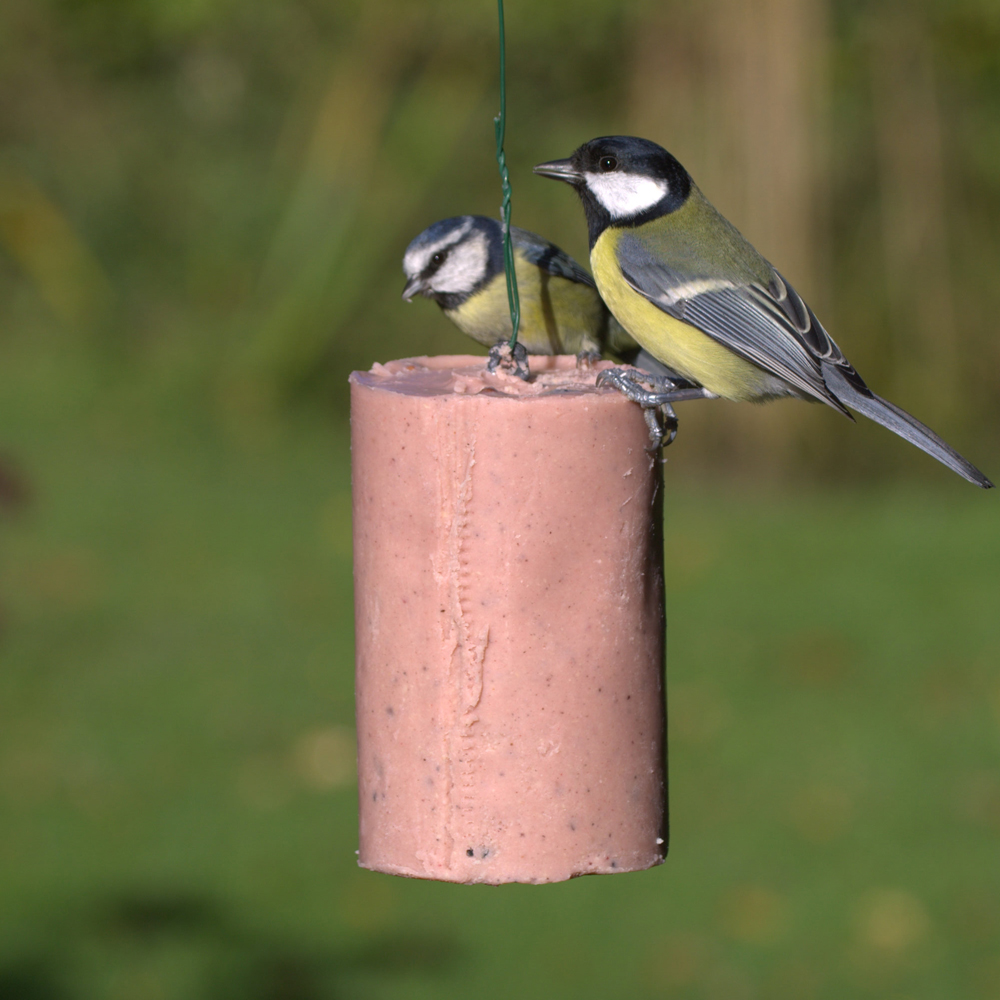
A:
x: 464, y: 267
x: 624, y: 195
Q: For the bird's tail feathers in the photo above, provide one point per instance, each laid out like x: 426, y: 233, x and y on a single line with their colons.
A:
x: 900, y: 422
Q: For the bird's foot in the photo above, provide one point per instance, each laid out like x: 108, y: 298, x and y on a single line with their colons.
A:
x: 586, y: 360
x: 662, y: 424
x: 629, y: 382
x: 512, y: 361
x: 657, y: 405
x: 660, y: 416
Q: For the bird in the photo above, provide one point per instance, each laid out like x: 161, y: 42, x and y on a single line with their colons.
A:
x: 459, y: 263
x: 696, y: 295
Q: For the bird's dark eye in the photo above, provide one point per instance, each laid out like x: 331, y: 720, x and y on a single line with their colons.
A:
x: 437, y: 258
x: 607, y: 164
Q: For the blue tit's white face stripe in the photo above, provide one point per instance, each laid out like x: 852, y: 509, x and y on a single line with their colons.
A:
x: 419, y: 252
x: 461, y: 270
x: 624, y: 195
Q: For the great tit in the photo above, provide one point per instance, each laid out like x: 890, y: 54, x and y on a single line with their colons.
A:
x: 458, y: 262
x: 697, y: 296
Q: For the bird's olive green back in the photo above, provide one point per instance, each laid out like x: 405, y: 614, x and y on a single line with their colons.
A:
x: 696, y: 241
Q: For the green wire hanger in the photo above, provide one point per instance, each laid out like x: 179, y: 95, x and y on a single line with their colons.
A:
x: 499, y: 127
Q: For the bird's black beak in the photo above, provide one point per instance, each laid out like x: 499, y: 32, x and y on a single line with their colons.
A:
x: 413, y: 286
x: 561, y: 170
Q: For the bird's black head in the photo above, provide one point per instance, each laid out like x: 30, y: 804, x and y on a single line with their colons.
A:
x: 622, y: 181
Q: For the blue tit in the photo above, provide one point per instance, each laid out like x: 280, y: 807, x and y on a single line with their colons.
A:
x: 458, y: 262
x: 698, y: 297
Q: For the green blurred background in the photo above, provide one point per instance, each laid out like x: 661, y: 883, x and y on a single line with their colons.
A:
x: 203, y: 205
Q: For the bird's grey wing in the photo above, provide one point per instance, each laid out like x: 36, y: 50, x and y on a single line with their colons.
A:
x: 549, y: 257
x: 768, y: 325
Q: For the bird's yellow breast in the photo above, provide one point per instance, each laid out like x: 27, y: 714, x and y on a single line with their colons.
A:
x: 558, y: 316
x: 680, y: 346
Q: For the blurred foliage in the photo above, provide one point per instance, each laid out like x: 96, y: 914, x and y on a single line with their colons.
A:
x: 216, y: 195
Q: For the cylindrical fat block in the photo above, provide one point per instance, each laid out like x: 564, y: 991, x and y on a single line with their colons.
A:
x: 509, y: 612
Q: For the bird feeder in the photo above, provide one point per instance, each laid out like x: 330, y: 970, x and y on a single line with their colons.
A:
x: 509, y: 623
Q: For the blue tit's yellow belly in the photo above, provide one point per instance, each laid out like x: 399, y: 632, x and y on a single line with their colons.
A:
x: 680, y: 346
x: 558, y: 316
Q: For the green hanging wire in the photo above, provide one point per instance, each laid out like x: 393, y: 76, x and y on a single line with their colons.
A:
x: 499, y: 126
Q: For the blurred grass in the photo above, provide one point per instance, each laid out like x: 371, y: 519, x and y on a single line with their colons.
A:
x: 176, y: 745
